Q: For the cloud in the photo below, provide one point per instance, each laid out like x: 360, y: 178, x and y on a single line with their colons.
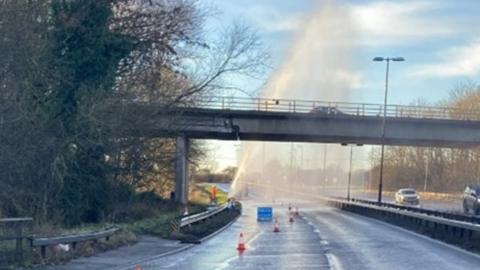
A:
x: 453, y: 62
x: 388, y: 23
x: 273, y: 20
x: 270, y: 16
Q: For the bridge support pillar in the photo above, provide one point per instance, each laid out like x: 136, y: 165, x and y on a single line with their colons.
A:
x: 181, y: 170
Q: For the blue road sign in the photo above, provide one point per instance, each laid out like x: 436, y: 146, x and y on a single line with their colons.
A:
x: 264, y: 214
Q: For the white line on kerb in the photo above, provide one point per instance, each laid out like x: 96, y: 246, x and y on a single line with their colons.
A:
x: 333, y: 262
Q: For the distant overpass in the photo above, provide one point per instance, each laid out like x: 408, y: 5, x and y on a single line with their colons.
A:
x: 294, y: 121
x: 307, y: 121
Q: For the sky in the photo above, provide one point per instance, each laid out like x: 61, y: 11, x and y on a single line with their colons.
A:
x: 439, y: 39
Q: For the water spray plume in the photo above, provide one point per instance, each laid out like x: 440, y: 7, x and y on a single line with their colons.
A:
x: 319, y: 66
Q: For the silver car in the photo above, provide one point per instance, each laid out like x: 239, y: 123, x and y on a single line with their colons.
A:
x: 326, y: 110
x: 471, y: 199
x: 407, y: 196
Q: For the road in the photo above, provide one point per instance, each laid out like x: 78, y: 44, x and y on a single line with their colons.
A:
x: 432, y: 204
x: 453, y: 204
x: 297, y: 246
x: 363, y: 243
x: 322, y: 238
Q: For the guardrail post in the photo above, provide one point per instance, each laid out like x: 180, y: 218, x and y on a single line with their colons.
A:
x: 294, y: 105
x: 18, y: 243
x: 175, y: 225
x: 467, y: 238
x: 43, y: 251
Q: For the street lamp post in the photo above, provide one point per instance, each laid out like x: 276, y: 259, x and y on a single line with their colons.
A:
x: 349, y: 173
x: 300, y: 163
x: 291, y: 173
x: 426, y: 175
x: 300, y: 147
x: 263, y: 161
x: 386, y: 59
x: 324, y: 166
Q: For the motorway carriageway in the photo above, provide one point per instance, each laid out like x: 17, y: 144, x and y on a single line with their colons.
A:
x: 451, y: 205
x: 322, y: 238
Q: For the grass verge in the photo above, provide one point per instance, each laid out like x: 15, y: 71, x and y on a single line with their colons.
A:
x: 147, y: 216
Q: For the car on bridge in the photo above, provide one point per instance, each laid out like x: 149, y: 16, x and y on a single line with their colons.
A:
x: 471, y: 199
x: 407, y: 196
x: 326, y: 110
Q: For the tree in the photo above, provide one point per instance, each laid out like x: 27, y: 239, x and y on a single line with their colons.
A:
x: 230, y: 172
x: 25, y: 185
x: 433, y: 168
x: 63, y: 62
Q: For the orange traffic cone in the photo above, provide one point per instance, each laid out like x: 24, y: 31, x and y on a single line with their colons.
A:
x: 276, y: 227
x: 296, y: 211
x: 138, y: 267
x: 291, y: 218
x: 241, y: 243
x: 289, y: 207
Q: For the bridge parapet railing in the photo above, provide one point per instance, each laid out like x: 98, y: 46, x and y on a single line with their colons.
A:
x: 336, y: 108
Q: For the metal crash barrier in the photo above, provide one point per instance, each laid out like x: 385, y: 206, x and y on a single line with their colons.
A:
x: 201, y: 216
x: 178, y: 223
x: 463, y: 233
x: 44, y: 242
x: 454, y: 228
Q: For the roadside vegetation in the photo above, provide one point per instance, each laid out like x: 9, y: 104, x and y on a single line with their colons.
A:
x: 60, y: 161
x: 63, y: 64
x: 435, y: 169
x: 156, y: 221
x: 204, y: 195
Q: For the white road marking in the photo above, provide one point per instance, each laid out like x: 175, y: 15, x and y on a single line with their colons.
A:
x: 333, y: 262
x: 424, y: 237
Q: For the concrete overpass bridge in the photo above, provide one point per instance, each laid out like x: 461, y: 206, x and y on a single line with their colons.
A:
x: 299, y: 121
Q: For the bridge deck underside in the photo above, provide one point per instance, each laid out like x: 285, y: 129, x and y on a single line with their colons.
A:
x: 305, y: 127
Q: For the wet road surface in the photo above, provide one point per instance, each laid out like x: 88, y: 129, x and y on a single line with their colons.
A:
x: 363, y: 243
x: 297, y: 246
x: 322, y: 238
